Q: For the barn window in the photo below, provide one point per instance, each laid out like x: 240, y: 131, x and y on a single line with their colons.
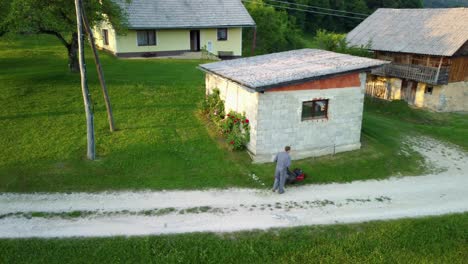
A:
x: 428, y: 89
x: 146, y: 37
x: 315, y: 109
x: 105, y: 36
x: 222, y: 34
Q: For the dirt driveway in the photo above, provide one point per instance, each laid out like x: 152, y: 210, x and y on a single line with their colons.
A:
x: 145, y: 213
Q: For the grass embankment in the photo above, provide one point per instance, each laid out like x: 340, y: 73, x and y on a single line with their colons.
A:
x: 162, y: 143
x: 427, y: 240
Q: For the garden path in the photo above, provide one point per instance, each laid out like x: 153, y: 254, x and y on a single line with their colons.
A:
x: 442, y: 191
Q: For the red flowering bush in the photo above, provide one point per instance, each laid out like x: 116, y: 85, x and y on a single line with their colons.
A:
x: 236, y: 128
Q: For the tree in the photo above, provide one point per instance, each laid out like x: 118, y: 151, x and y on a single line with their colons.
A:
x: 276, y: 31
x: 56, y: 18
x: 4, y: 9
x: 337, y: 43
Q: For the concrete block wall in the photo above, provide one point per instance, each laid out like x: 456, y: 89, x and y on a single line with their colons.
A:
x: 239, y: 99
x: 280, y: 124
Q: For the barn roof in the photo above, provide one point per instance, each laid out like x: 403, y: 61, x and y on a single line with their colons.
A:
x: 162, y: 14
x: 290, y: 67
x: 438, y: 31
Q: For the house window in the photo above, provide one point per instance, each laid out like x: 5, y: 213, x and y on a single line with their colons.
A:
x: 146, y: 37
x: 222, y: 34
x: 315, y: 109
x: 428, y: 89
x: 105, y: 36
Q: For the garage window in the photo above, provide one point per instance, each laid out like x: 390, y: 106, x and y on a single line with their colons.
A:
x: 315, y: 109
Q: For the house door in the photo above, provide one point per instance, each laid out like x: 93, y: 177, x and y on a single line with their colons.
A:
x: 195, y: 40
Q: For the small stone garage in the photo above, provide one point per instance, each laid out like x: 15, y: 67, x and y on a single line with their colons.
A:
x: 311, y: 100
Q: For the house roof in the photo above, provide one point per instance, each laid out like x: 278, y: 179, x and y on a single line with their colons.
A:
x: 438, y: 31
x: 290, y: 67
x: 161, y: 14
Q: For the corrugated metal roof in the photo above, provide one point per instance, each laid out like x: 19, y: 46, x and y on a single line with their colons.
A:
x: 438, y: 31
x: 296, y: 66
x: 160, y: 14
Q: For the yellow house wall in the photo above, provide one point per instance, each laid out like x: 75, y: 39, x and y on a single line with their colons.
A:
x: 166, y: 40
x: 233, y: 42
x: 99, y: 39
x: 170, y: 40
x: 447, y: 98
x: 419, y: 97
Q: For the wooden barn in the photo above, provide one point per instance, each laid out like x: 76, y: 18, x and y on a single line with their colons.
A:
x: 428, y: 49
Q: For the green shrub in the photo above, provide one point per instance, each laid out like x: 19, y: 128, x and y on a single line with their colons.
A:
x: 213, y: 107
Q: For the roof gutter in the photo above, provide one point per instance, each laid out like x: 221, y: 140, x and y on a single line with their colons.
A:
x: 193, y: 27
x: 247, y: 87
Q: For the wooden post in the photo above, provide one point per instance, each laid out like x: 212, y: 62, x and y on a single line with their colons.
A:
x: 254, y: 42
x: 102, y: 81
x: 438, y: 71
x: 91, y: 151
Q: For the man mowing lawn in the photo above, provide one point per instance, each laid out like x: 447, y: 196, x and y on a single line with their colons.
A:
x: 283, y: 161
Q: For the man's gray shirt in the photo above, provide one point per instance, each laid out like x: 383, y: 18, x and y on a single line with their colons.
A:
x: 283, y: 160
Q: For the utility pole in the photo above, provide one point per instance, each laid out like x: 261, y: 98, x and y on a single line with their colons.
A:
x: 102, y: 81
x: 91, y: 150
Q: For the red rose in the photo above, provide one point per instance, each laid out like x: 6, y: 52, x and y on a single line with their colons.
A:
x: 247, y: 121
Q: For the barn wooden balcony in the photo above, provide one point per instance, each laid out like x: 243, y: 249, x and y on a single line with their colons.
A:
x: 430, y: 75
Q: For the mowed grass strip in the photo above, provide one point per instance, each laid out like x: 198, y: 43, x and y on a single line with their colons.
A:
x: 441, y: 239
x: 162, y: 141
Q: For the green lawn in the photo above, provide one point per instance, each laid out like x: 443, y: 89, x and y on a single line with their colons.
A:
x: 162, y: 142
x: 427, y: 240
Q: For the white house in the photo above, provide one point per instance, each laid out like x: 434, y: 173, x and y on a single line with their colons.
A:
x: 309, y: 99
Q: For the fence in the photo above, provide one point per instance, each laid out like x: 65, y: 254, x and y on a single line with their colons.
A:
x: 377, y: 89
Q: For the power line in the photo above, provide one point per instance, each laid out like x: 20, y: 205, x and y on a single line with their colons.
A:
x: 308, y: 11
x: 321, y: 8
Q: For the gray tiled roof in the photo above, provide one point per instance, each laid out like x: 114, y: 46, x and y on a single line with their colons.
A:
x: 289, y: 67
x: 440, y: 31
x: 160, y: 14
